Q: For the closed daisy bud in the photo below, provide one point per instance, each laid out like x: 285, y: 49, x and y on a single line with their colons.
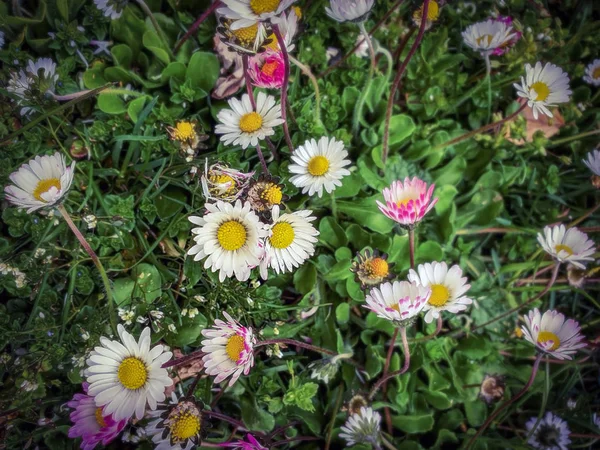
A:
x: 552, y: 433
x: 492, y: 388
x: 372, y: 269
x: 40, y: 183
x: 407, y: 202
x: 572, y: 245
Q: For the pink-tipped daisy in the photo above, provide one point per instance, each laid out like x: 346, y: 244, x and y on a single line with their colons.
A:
x: 267, y: 70
x: 90, y: 423
x: 229, y: 350
x: 567, y: 245
x: 250, y: 443
x: 400, y: 301
x: 551, y: 334
x: 407, y: 202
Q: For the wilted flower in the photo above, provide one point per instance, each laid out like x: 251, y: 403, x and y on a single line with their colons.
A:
x: 220, y: 182
x: 265, y: 193
x: 552, y: 433
x: 231, y: 73
x: 492, y: 388
x: 326, y: 369
x: 592, y: 73
x: 248, y: 40
x: 564, y: 245
x: 362, y: 427
x: 349, y: 11
x: 408, y: 202
x: 575, y: 276
x: 372, y: 269
x: 32, y: 83
x: 186, y: 134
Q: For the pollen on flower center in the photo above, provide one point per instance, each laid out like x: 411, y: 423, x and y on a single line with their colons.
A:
x: 246, y: 35
x: 251, y: 122
x: 546, y: 336
x: 183, y: 131
x: 283, y: 235
x: 234, y: 347
x: 132, y: 373
x: 232, y: 235
x: 378, y: 267
x: 395, y: 307
x: 596, y: 73
x: 433, y: 12
x: 272, y: 194
x: 264, y: 6
x: 185, y: 426
x: 541, y: 89
x: 100, y: 417
x: 224, y: 180
x: 439, y: 295
x: 318, y: 166
x: 44, y: 186
x: 480, y: 40
x: 298, y: 11
x: 269, y: 68
x: 563, y: 248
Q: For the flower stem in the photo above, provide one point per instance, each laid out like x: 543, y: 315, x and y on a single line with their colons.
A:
x: 411, y: 246
x: 488, y: 71
x: 358, y: 109
x: 186, y: 359
x: 573, y: 138
x: 159, y: 30
x: 232, y: 421
x: 284, y: 86
x: 306, y: 70
x: 263, y: 163
x: 404, y: 368
x: 214, y: 5
x: 292, y: 342
x: 69, y: 97
x: 398, y: 78
x: 386, y: 367
x: 506, y: 404
x: 97, y: 263
x: 544, y: 402
x: 249, y: 89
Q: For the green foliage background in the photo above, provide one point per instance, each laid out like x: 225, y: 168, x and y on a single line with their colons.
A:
x: 141, y: 190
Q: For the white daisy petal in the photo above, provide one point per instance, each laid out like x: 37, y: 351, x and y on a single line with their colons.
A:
x: 544, y: 87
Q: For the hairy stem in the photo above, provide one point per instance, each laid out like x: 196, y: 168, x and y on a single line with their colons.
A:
x: 197, y: 24
x: 404, y: 368
x: 284, y: 86
x: 488, y: 71
x: 358, y: 110
x: 411, y: 247
x: 292, y: 342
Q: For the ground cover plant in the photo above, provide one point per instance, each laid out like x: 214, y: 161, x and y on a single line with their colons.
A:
x: 279, y: 224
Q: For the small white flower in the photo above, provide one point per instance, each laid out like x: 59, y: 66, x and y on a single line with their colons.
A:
x: 564, y: 245
x: 39, y: 252
x: 291, y: 241
x: 593, y: 161
x: 551, y: 334
x: 91, y: 221
x: 28, y: 386
x: 228, y: 237
x: 243, y: 125
x: 126, y: 316
x: 362, y: 427
x: 552, y: 433
x: 37, y: 78
x: 331, y: 53
x: 229, y: 349
x: 448, y: 287
x: 101, y: 47
x: 544, y: 87
x: 399, y: 301
x: 85, y: 335
x: 319, y: 165
x: 592, y: 73
x: 193, y: 312
x: 126, y: 376
x: 41, y: 182
x: 485, y: 37
x: 158, y: 315
x: 111, y: 8
x: 247, y: 12
x: 349, y: 10
x: 172, y: 328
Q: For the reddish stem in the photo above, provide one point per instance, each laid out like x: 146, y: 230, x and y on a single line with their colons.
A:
x: 292, y: 342
x: 191, y: 30
x: 249, y: 89
x: 284, y: 86
x: 187, y: 359
x: 386, y: 367
x: 411, y: 247
x: 404, y: 368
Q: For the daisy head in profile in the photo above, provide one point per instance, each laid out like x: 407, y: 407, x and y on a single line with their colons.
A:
x: 407, y: 202
x: 544, y: 86
x: 349, y: 11
x: 400, y: 301
x: 319, y: 166
x: 592, y: 73
x: 42, y: 182
x: 490, y: 36
x: 362, y: 427
x: 567, y: 245
x: 593, y: 163
x: 229, y: 350
x: 245, y: 125
x: 551, y: 333
x: 433, y: 14
x: 126, y: 376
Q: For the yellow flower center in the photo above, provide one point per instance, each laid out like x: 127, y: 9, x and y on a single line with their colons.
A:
x: 264, y: 6
x: 318, y: 166
x: 518, y: 332
x: 403, y: 203
x: 395, y: 307
x: 283, y: 235
x: 183, y: 131
x: 269, y: 68
x: 44, y: 186
x: 542, y: 90
x: 272, y: 194
x: 222, y: 180
x: 439, y: 295
x: 232, y: 235
x: 251, y: 122
x: 132, y: 373
x: 298, y: 11
x: 246, y: 35
x: 546, y: 336
x: 596, y: 73
x: 378, y: 267
x: 563, y: 248
x: 480, y: 40
x: 185, y: 426
x: 273, y: 45
x: 234, y: 347
x: 433, y: 12
x: 100, y: 417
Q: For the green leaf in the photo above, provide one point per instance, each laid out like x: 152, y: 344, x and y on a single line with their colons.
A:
x: 63, y: 9
x: 476, y: 412
x: 437, y: 399
x: 254, y: 417
x: 413, y: 424
x: 305, y: 278
x: 135, y: 107
x: 475, y: 347
x: 122, y: 55
x: 365, y: 212
x: 331, y: 234
x: 342, y: 313
x: 203, y: 70
x: 154, y: 43
x: 169, y: 202
x: 302, y: 396
x: 111, y: 104
x: 429, y: 251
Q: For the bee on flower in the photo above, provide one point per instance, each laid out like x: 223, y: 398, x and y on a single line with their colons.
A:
x: 372, y: 268
x: 572, y: 245
x: 433, y: 14
x: 220, y: 182
x: 185, y: 132
x: 407, y: 202
x: 177, y: 425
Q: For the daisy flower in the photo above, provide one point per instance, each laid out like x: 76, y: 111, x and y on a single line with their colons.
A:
x: 593, y: 161
x: 250, y: 443
x: 291, y: 241
x: 408, y: 202
x: 486, y: 37
x: 362, y: 428
x: 551, y: 334
x: 400, y: 301
x: 592, y: 73
x: 32, y: 83
x: 433, y: 14
x: 544, y: 87
x: 177, y: 426
x: 503, y: 49
x: 243, y: 125
x: 248, y: 12
x: 228, y: 237
x: 371, y: 269
x: 552, y: 433
x: 572, y: 245
x: 319, y: 165
x: 267, y: 70
x: 111, y: 8
x: 349, y: 11
x: 448, y: 287
x: 41, y: 182
x: 245, y: 40
x: 288, y: 27
x: 265, y: 193
x: 229, y: 349
x: 125, y: 376
x: 91, y: 423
